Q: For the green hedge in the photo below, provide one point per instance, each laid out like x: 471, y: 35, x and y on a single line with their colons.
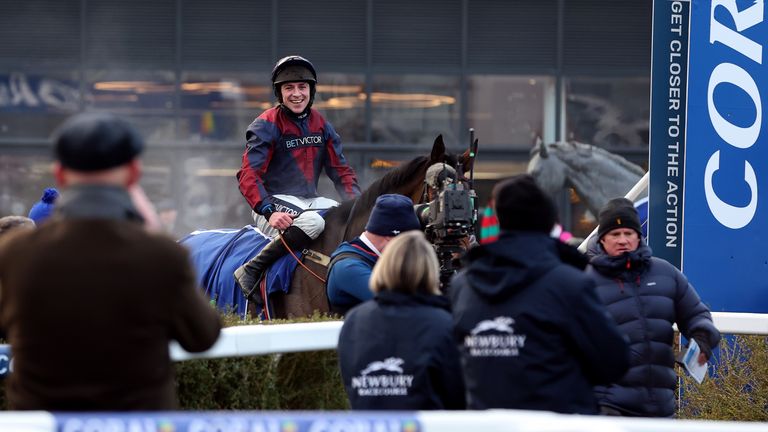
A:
x: 295, y: 381
x: 738, y: 387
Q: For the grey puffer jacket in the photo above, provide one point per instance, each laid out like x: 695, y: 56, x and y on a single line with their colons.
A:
x: 646, y: 295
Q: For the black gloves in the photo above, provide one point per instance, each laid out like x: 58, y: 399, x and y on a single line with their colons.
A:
x: 702, y: 338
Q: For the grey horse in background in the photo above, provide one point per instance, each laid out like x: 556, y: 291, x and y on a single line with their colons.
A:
x: 596, y: 175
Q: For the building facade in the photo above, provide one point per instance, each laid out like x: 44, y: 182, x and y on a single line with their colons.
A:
x: 393, y: 74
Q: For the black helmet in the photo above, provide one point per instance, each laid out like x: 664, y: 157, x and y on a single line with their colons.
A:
x: 294, y: 68
x: 304, y: 71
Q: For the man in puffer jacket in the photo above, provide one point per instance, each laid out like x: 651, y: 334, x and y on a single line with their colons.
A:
x: 531, y: 331
x: 645, y: 295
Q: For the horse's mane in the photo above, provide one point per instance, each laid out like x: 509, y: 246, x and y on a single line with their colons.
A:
x: 389, y: 181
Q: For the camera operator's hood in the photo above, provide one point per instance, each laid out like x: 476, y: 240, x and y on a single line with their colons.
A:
x: 515, y: 261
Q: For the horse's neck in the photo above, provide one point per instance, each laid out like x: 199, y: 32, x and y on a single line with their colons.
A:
x: 339, y: 228
x: 599, y: 181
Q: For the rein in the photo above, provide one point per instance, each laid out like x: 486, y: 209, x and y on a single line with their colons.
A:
x: 323, y: 259
x: 290, y: 251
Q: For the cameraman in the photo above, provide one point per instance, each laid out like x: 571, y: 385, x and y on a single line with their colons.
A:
x: 448, y: 227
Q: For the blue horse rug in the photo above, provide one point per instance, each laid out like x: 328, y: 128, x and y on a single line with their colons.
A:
x: 216, y: 254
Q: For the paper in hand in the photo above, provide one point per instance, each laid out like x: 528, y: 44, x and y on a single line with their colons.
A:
x: 691, y: 362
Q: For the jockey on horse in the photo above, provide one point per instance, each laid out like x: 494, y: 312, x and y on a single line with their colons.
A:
x: 287, y: 147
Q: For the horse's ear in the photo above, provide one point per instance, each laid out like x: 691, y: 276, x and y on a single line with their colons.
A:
x: 542, y: 148
x: 465, y: 160
x: 438, y: 150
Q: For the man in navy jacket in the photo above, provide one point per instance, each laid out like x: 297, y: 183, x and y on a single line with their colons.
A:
x: 646, y: 295
x: 530, y: 328
x: 352, y: 262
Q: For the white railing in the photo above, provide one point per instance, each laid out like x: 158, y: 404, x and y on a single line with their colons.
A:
x: 266, y: 339
x: 280, y: 338
x: 260, y: 339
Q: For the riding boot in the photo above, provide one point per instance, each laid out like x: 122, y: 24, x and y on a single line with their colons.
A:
x: 249, y: 274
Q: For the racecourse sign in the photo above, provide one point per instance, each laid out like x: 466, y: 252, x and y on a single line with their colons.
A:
x: 709, y: 148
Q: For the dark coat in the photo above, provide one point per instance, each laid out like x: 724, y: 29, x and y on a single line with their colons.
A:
x: 396, y: 352
x: 646, y: 295
x: 531, y: 330
x: 90, y: 301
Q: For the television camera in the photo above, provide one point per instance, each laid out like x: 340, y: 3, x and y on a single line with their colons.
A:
x: 450, y: 218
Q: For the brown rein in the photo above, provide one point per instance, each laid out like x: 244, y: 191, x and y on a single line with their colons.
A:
x: 288, y: 248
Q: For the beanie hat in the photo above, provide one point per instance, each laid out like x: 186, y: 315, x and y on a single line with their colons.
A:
x: 43, y: 208
x: 391, y: 215
x: 618, y: 213
x: 96, y: 141
x: 522, y: 206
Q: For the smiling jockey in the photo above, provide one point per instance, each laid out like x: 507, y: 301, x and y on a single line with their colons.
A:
x: 287, y: 147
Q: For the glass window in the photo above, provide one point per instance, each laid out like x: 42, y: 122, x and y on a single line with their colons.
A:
x: 608, y: 112
x: 414, y: 109
x: 33, y: 105
x: 220, y: 106
x: 195, y: 188
x: 145, y: 98
x: 341, y: 100
x: 511, y: 111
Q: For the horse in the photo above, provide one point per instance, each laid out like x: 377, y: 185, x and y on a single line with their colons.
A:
x: 306, y: 294
x: 596, y: 175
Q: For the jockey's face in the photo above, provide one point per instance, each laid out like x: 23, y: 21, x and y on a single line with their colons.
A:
x: 620, y: 240
x: 295, y: 96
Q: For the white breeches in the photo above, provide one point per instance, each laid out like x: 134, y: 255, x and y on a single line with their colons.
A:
x: 308, y: 221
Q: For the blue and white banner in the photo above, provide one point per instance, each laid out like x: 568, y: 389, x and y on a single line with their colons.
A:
x: 713, y: 225
x: 238, y: 422
x: 669, y: 73
x: 6, y: 364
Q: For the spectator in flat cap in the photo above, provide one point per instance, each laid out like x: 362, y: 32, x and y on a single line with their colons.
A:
x: 91, y: 331
x: 407, y: 328
x: 352, y: 262
x: 43, y: 209
x: 646, y: 296
x: 530, y: 329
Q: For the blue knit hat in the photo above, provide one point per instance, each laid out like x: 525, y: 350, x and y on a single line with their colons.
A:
x: 43, y: 208
x: 391, y: 215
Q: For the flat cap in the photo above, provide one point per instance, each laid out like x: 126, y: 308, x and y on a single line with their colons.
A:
x: 96, y: 142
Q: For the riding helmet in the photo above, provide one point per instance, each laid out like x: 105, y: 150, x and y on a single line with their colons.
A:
x: 294, y: 68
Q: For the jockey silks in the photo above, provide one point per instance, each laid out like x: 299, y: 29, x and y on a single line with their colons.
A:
x: 285, y: 155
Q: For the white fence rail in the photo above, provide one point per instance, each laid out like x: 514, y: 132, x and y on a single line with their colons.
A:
x: 281, y: 338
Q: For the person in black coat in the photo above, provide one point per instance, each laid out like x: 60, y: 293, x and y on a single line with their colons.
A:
x: 530, y: 328
x: 645, y: 295
x: 396, y: 351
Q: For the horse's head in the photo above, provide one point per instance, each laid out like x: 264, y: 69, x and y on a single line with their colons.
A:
x: 546, y: 168
x: 461, y: 162
x: 594, y: 173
